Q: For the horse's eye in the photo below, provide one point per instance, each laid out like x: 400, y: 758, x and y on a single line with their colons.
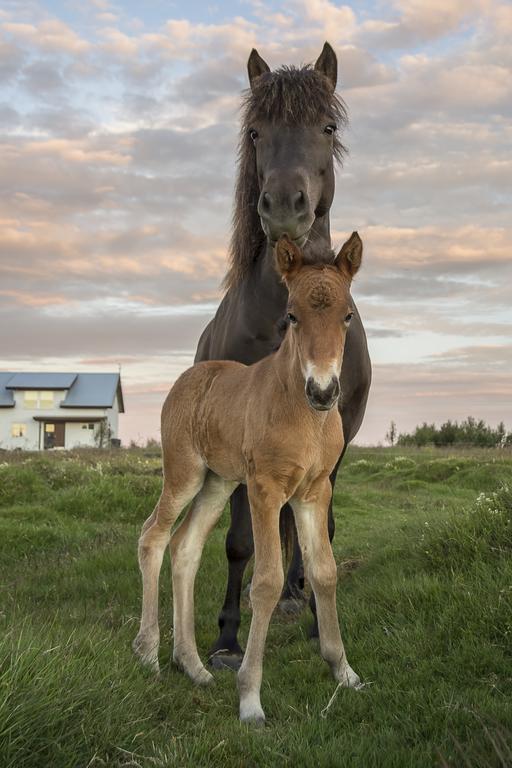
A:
x: 349, y: 317
x: 253, y: 134
x: 291, y: 318
x: 330, y: 129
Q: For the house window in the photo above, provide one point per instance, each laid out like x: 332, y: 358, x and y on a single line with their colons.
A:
x: 31, y: 399
x: 35, y: 399
x: 91, y: 426
x: 18, y: 430
x: 46, y: 399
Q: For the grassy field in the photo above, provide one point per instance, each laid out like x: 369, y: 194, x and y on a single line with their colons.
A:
x: 423, y: 543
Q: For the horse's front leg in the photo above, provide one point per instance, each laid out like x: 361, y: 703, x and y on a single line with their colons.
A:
x: 267, y: 583
x: 226, y: 651
x: 320, y: 567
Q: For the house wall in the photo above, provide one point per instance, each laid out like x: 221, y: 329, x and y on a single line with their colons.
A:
x: 33, y: 439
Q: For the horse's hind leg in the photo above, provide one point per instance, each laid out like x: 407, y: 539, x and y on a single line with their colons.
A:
x: 153, y: 540
x: 187, y: 544
x: 226, y: 651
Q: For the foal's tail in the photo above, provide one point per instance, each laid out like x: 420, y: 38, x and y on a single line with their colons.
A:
x: 288, y: 532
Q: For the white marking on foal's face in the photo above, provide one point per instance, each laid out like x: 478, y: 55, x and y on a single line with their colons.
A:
x: 322, y: 377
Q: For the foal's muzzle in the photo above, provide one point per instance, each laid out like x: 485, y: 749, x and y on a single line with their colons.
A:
x: 322, y: 398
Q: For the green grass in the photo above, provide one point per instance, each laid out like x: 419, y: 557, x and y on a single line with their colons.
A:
x: 423, y: 542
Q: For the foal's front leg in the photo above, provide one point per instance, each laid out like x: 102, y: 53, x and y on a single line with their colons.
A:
x: 320, y: 569
x: 266, y: 586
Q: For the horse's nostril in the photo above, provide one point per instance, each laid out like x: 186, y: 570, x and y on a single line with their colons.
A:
x: 299, y: 201
x: 322, y: 397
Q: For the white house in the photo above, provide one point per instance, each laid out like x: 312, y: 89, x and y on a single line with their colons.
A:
x: 58, y: 410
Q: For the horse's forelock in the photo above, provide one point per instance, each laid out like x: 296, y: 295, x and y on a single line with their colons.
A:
x: 293, y: 96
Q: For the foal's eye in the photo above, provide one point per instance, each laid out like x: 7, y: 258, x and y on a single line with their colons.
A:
x: 349, y: 317
x: 291, y: 318
x: 330, y: 129
x: 253, y: 134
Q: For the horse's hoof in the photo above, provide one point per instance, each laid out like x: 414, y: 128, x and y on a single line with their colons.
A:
x: 252, y: 715
x: 147, y: 652
x: 291, y: 606
x: 226, y: 660
x: 349, y: 679
x: 203, y: 677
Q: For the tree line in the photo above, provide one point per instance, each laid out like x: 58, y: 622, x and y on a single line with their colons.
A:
x: 470, y: 432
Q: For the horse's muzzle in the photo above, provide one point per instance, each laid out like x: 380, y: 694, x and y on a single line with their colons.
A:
x: 322, y: 398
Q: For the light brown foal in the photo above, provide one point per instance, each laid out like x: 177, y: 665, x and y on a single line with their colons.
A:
x: 274, y: 426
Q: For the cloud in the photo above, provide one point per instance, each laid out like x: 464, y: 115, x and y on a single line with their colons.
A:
x: 117, y: 160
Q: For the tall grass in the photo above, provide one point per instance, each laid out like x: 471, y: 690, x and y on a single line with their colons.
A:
x: 423, y: 544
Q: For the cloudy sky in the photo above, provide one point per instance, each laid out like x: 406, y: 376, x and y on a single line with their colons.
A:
x: 118, y: 130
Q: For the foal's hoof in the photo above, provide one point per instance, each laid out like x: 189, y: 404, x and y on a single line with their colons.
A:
x: 349, y: 679
x: 202, y: 677
x: 147, y: 652
x: 226, y: 660
x: 252, y: 715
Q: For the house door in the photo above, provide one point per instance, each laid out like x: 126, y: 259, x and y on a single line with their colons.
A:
x: 54, y: 434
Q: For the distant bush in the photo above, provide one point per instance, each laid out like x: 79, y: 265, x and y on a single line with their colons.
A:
x: 469, y: 432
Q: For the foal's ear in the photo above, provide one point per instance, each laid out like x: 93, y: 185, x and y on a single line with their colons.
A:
x: 327, y: 64
x: 349, y: 258
x: 288, y: 257
x: 256, y: 66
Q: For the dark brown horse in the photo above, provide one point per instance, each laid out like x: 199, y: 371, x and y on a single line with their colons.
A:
x: 290, y: 139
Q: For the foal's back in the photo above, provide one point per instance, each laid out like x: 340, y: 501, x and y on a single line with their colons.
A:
x: 203, y: 418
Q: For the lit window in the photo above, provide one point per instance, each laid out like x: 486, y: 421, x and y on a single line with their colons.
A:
x: 49, y: 427
x: 35, y: 399
x: 31, y: 398
x: 18, y: 430
x: 46, y: 399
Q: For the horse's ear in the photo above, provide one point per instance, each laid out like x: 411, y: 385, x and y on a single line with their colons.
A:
x: 256, y: 66
x: 350, y: 256
x: 288, y: 257
x: 327, y: 64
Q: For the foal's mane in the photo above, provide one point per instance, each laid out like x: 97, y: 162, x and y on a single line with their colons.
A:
x: 290, y: 96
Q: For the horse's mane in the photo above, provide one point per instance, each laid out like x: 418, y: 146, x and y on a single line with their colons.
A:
x: 290, y: 96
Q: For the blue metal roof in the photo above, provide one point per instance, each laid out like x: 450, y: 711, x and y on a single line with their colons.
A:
x: 94, y: 390
x: 6, y: 396
x: 41, y: 380
x: 85, y: 390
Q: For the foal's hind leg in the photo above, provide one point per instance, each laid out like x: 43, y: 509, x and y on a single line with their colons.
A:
x: 187, y: 544
x: 154, y: 538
